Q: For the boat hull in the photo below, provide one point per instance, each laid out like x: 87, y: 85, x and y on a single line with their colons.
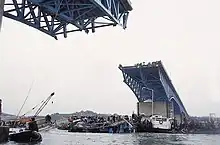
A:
x: 26, y: 136
x: 154, y: 130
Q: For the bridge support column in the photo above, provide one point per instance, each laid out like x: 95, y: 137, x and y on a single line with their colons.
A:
x: 178, y: 118
x: 177, y: 114
x: 2, y: 2
x: 160, y: 108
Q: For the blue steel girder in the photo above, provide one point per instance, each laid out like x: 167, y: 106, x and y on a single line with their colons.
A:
x: 139, y: 86
x: 134, y: 85
x: 152, y: 81
x: 170, y: 90
x: 55, y: 17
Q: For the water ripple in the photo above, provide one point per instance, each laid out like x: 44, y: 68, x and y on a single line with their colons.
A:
x: 59, y: 137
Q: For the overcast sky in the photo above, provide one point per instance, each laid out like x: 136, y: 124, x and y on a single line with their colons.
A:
x: 83, y: 69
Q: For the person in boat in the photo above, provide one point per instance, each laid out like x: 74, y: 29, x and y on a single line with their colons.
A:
x: 48, y: 119
x: 32, y: 125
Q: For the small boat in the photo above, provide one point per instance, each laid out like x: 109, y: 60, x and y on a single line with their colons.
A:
x: 160, y: 123
x: 155, y: 124
x: 25, y: 136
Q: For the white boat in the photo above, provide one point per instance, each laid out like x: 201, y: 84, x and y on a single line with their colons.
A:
x: 161, y: 123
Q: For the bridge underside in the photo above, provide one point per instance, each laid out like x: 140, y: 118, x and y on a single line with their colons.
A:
x: 151, y: 82
x: 1, y: 11
x: 55, y: 17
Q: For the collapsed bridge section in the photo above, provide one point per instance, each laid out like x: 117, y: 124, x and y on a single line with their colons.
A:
x: 154, y: 90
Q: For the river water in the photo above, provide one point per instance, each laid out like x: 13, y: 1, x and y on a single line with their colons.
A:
x: 60, y: 137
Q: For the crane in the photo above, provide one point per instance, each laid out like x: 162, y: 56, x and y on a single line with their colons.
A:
x: 43, y: 104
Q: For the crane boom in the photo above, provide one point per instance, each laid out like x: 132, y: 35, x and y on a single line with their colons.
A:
x: 43, y: 104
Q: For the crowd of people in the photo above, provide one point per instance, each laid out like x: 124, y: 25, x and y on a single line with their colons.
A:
x: 92, y: 121
x: 197, y: 125
x: 98, y: 119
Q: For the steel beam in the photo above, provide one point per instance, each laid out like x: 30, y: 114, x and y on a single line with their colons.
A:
x: 1, y: 11
x: 55, y: 17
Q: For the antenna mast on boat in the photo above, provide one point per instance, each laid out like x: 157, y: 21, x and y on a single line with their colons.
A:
x: 44, y: 104
x: 25, y: 99
x: 33, y: 108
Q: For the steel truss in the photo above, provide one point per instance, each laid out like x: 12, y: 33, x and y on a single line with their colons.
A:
x: 137, y: 85
x: 55, y: 17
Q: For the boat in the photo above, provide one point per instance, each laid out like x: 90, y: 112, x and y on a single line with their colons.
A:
x: 24, y: 136
x: 160, y: 123
x: 30, y: 132
x: 155, y: 124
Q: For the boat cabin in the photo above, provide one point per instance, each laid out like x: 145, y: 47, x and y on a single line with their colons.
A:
x: 161, y: 122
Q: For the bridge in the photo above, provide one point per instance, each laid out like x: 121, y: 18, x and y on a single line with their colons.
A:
x: 154, y: 90
x: 55, y: 17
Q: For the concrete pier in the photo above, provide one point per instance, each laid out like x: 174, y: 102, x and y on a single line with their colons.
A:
x: 4, y: 132
x: 1, y: 11
x: 160, y: 108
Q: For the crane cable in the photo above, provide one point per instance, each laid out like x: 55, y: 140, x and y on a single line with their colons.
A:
x: 32, y: 108
x: 43, y: 104
x: 25, y: 100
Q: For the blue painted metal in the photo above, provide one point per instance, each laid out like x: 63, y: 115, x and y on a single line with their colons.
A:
x: 153, y: 76
x: 1, y: 11
x: 55, y: 17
